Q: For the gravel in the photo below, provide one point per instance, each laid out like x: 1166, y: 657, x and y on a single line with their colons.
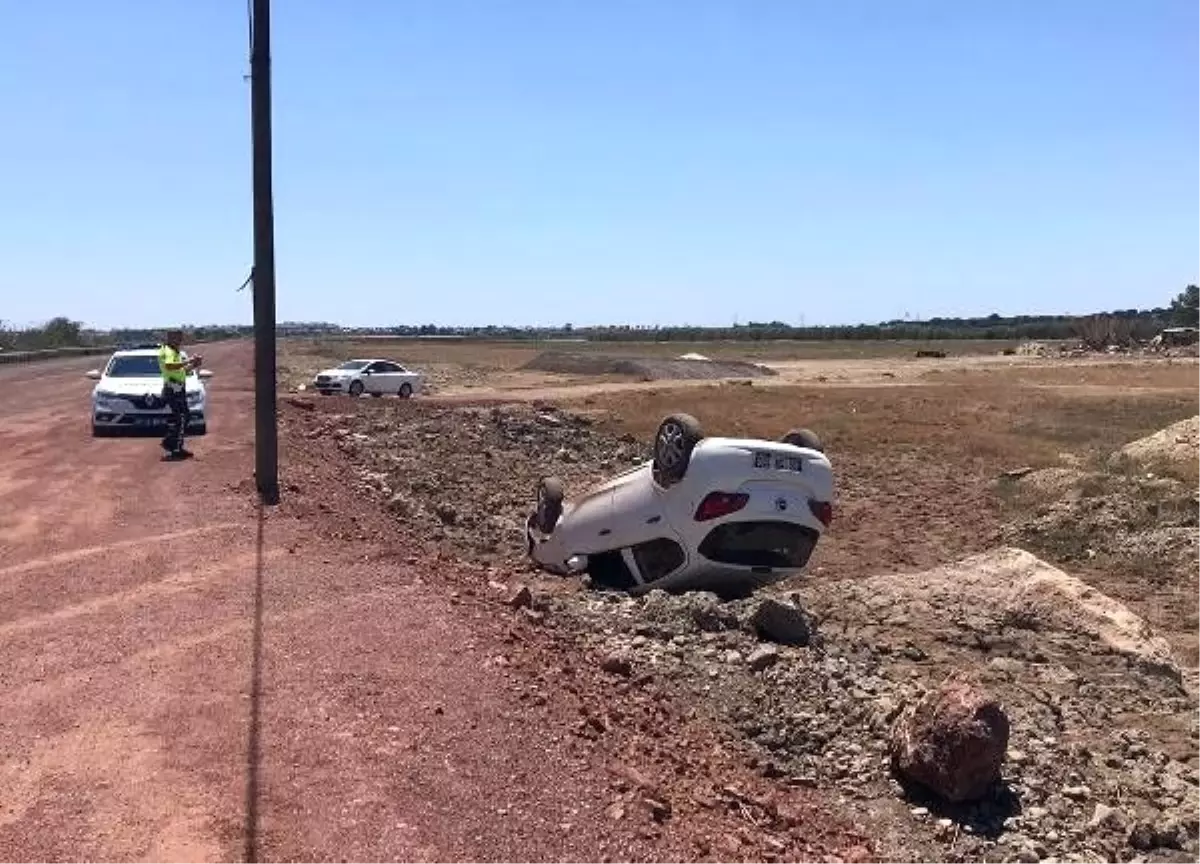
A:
x: 1102, y: 760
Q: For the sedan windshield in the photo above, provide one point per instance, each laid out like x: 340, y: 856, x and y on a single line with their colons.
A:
x: 353, y: 365
x: 135, y: 366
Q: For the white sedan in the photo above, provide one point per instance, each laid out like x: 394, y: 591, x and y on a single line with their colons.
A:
x: 726, y: 515
x: 376, y: 377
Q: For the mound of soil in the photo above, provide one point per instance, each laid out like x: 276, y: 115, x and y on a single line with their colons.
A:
x: 644, y: 368
x: 1051, y: 482
x: 1005, y: 601
x: 1178, y: 444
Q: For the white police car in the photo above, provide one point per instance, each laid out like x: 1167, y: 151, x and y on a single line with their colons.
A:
x: 128, y: 394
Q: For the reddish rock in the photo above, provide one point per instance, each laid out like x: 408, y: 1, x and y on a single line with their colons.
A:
x: 952, y: 741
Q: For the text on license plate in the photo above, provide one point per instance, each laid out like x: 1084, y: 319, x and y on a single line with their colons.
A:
x: 778, y: 462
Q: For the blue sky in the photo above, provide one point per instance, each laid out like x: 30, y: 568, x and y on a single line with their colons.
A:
x: 624, y: 161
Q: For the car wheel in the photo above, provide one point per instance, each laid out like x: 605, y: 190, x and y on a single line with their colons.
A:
x: 405, y: 390
x: 804, y: 438
x: 549, y: 504
x: 356, y: 388
x: 674, y: 442
x: 202, y: 429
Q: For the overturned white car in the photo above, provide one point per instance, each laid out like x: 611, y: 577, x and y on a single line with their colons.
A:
x: 726, y: 515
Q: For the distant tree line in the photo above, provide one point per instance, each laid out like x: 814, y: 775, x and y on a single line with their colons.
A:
x: 55, y: 333
x: 1137, y: 324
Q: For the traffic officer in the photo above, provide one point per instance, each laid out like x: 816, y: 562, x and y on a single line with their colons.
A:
x: 174, y: 369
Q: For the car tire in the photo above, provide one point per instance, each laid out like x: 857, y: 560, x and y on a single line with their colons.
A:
x: 356, y: 388
x: 549, y: 504
x: 804, y: 438
x: 202, y: 429
x: 676, y: 438
x: 405, y: 391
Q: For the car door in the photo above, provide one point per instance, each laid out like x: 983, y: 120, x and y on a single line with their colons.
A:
x: 374, y: 378
x: 389, y: 377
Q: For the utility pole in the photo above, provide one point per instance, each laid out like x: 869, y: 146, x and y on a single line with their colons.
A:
x: 266, y: 432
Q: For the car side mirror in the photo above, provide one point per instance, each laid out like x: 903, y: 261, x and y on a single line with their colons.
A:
x: 94, y: 374
x: 205, y: 373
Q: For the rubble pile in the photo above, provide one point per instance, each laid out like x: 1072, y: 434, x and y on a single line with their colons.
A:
x: 466, y: 476
x: 827, y: 712
x: 832, y: 684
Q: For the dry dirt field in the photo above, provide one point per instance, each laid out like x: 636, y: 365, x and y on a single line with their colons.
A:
x: 937, y: 460
x: 188, y: 676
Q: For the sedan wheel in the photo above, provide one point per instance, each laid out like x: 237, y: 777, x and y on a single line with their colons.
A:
x: 677, y: 437
x: 549, y: 504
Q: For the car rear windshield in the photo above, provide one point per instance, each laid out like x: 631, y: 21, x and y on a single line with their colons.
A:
x: 760, y: 544
x: 352, y: 365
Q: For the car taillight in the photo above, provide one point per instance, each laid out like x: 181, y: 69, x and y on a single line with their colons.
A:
x: 718, y: 504
x: 823, y: 510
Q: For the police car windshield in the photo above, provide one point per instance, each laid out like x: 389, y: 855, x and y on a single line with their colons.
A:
x: 353, y: 365
x: 133, y: 366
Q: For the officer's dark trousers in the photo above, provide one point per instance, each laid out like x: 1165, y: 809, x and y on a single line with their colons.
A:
x: 176, y: 400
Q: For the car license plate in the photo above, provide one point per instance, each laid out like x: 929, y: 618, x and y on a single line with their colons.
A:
x: 779, y: 462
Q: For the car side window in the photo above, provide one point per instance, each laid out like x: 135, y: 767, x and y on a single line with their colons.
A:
x: 374, y: 368
x: 658, y: 558
x: 389, y: 367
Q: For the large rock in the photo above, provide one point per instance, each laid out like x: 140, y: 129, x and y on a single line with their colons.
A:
x: 952, y: 741
x: 776, y: 621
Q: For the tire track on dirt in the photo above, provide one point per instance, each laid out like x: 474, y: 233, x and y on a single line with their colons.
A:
x: 75, y: 555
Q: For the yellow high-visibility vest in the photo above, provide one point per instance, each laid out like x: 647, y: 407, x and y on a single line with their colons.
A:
x: 167, y: 354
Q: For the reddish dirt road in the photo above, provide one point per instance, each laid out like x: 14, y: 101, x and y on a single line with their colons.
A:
x: 186, y: 677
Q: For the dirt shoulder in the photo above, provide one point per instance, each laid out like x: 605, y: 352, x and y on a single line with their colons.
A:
x: 186, y: 676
